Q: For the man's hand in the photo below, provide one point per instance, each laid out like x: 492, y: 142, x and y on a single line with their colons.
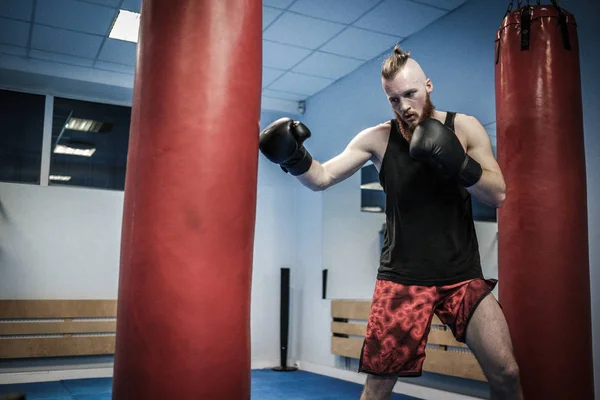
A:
x: 433, y: 141
x: 281, y: 142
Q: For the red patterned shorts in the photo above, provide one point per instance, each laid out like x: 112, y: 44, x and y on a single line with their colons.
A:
x: 400, y: 320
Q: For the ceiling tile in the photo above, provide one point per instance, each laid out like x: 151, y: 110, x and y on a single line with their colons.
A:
x: 20, y: 9
x: 277, y: 3
x: 109, y: 3
x: 445, y: 4
x: 118, y: 51
x: 75, y: 15
x: 302, y: 31
x: 399, y: 17
x: 283, y: 95
x: 14, y: 32
x: 13, y: 50
x: 344, y: 11
x: 269, y: 75
x: 124, y: 69
x: 65, y: 42
x: 132, y: 5
x: 359, y: 43
x: 327, y: 65
x: 269, y: 15
x: 281, y: 56
x: 61, y: 58
x: 300, y: 84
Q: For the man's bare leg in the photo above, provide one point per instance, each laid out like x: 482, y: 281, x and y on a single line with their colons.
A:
x: 378, y: 388
x: 489, y: 340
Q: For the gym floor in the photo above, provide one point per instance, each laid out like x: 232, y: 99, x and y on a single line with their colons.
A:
x: 266, y: 385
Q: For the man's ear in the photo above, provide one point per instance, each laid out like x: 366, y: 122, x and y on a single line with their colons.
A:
x: 429, y: 85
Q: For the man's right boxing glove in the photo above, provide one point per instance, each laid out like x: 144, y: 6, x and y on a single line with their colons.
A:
x: 281, y: 142
x: 434, y: 141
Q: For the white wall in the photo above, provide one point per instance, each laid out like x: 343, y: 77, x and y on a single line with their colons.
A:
x: 59, y: 242
x: 343, y: 227
x: 458, y: 54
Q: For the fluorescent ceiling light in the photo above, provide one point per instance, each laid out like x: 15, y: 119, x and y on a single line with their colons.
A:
x: 63, y: 149
x: 372, y: 186
x: 126, y: 26
x: 371, y: 209
x: 87, y: 125
x: 62, y: 178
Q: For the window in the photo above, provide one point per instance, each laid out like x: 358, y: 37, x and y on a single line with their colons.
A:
x: 22, y: 124
x: 372, y: 196
x: 89, y: 144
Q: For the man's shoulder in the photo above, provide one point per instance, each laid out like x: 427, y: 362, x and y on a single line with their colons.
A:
x: 372, y: 137
x: 465, y: 121
x: 383, y: 127
x: 469, y: 127
x: 375, y: 130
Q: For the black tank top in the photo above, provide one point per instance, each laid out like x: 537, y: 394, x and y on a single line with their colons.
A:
x: 430, y: 235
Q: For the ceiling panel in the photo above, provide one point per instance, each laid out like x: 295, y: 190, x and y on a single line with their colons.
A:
x: 65, y: 42
x: 118, y: 51
x: 327, y: 65
x: 132, y: 5
x: 16, y: 9
x: 300, y: 83
x: 280, y: 56
x: 107, y: 66
x: 61, y: 58
x: 14, y: 32
x: 399, y: 17
x: 278, y: 3
x: 344, y: 11
x: 12, y: 50
x: 75, y: 15
x: 359, y: 43
x: 276, y: 94
x: 108, y: 3
x: 445, y: 4
x: 269, y: 15
x: 302, y: 31
x: 269, y: 75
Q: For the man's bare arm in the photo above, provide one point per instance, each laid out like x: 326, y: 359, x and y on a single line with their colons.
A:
x: 491, y: 188
x: 320, y: 176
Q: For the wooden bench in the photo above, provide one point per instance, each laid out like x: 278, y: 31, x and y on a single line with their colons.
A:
x: 56, y: 328
x: 450, y: 357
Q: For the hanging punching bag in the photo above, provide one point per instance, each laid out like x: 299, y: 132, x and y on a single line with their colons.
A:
x: 543, y: 242
x: 183, y: 321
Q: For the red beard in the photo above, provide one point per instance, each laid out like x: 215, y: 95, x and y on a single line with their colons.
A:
x: 406, y: 129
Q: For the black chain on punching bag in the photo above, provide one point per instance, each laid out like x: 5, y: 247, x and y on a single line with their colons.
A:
x: 526, y: 24
x: 508, y: 11
x: 525, y: 27
x: 562, y: 21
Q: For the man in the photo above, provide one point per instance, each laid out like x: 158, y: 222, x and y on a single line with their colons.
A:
x: 430, y: 163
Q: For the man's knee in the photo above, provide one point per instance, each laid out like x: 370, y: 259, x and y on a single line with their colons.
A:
x: 506, y: 377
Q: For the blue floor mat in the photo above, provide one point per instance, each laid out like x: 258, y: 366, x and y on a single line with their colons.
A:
x: 95, y: 386
x: 266, y: 385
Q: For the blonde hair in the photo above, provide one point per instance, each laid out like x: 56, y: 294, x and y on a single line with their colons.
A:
x: 394, y: 62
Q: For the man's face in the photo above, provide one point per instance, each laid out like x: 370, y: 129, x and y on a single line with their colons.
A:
x: 408, y: 94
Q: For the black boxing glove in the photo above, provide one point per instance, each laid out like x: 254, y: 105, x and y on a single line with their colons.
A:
x: 434, y: 141
x: 282, y: 143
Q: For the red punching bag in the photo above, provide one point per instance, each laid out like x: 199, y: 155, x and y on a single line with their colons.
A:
x: 543, y: 256
x: 183, y: 322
